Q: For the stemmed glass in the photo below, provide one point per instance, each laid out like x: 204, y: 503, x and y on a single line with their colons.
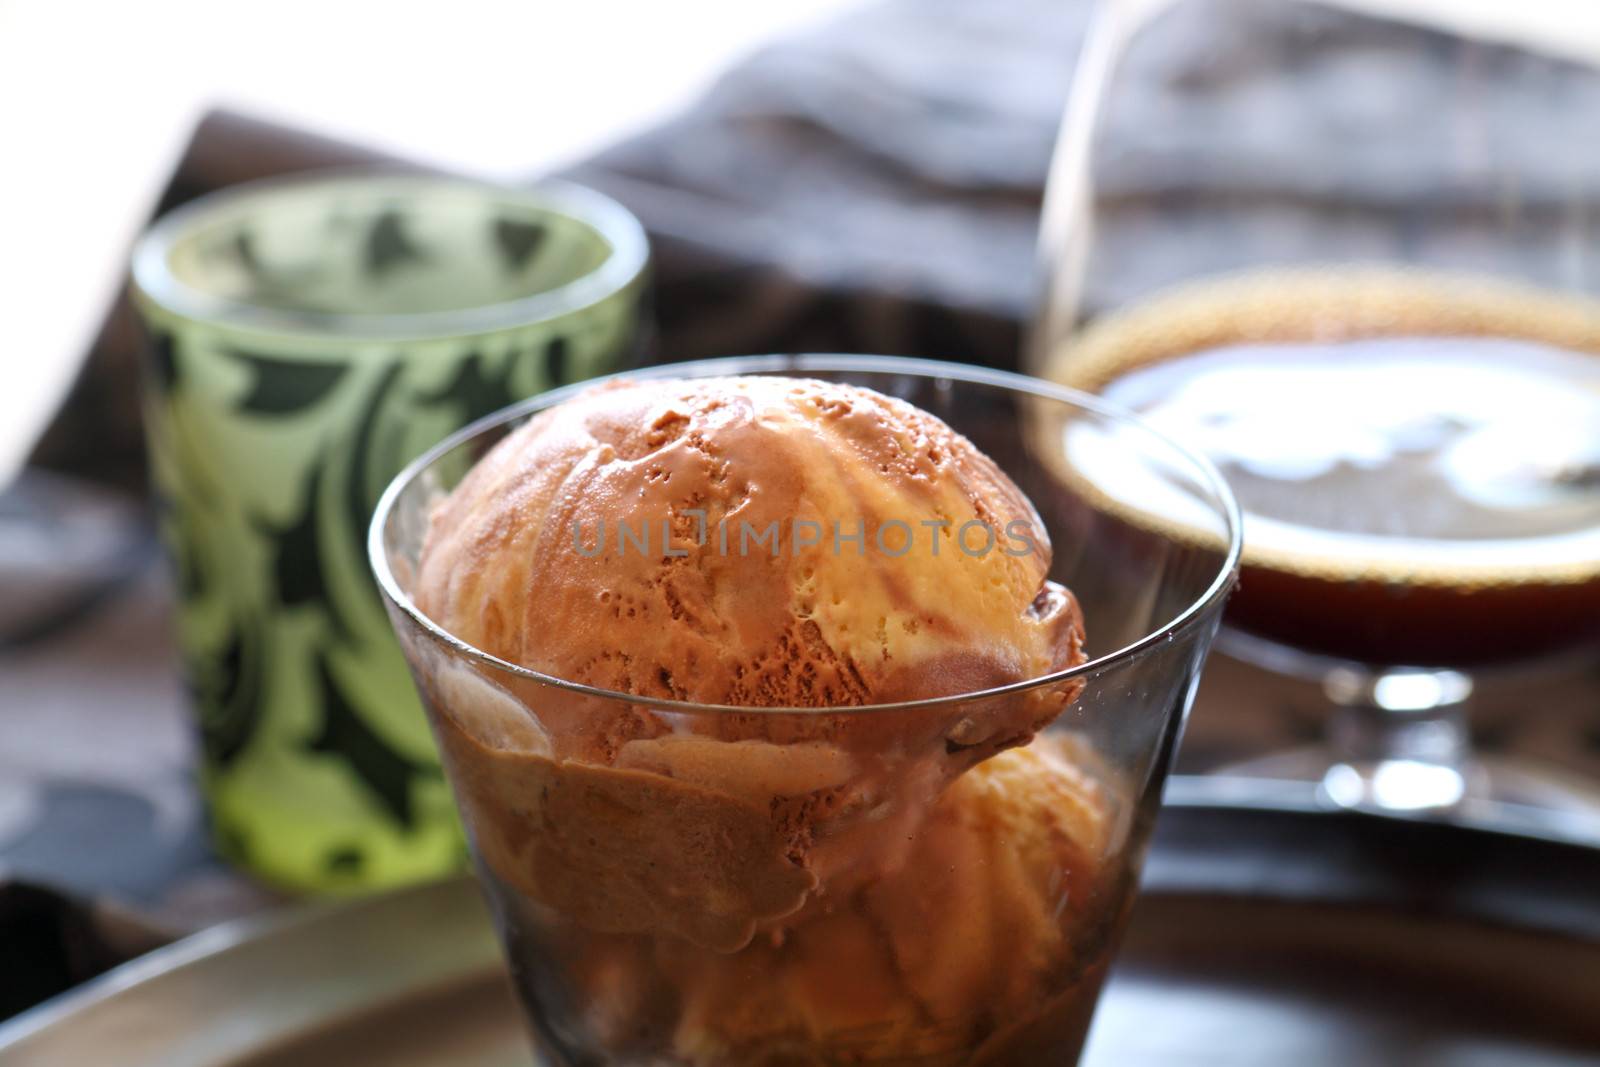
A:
x: 1349, y: 249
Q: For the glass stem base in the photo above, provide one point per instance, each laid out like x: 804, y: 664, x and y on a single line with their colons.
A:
x: 1399, y: 739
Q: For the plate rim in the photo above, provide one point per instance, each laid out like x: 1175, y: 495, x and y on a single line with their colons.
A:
x: 232, y: 935
x: 194, y: 949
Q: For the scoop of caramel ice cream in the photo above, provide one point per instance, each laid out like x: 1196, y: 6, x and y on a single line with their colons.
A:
x: 975, y: 935
x: 779, y: 881
x: 760, y: 542
x: 925, y: 963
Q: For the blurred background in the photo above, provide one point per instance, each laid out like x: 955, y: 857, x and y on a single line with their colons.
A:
x: 101, y: 100
x: 830, y: 175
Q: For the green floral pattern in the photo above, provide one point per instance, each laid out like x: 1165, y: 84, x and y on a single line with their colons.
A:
x: 269, y: 452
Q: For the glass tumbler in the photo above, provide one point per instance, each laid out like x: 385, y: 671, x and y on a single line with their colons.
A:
x: 658, y: 914
x: 309, y: 336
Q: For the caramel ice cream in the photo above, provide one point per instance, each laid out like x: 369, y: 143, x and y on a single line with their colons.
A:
x: 932, y: 960
x: 762, y: 542
x: 774, y: 884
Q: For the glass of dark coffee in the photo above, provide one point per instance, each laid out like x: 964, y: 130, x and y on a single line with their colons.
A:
x: 1341, y: 248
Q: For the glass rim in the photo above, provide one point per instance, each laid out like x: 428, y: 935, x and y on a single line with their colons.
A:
x: 1199, y: 609
x: 153, y: 277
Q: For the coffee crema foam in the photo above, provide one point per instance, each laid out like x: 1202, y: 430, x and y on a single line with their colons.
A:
x: 1377, y: 424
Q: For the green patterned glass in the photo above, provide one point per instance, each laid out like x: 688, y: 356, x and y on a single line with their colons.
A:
x: 308, y: 337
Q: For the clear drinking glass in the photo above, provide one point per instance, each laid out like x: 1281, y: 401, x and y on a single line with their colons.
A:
x: 1347, y: 249
x: 651, y: 921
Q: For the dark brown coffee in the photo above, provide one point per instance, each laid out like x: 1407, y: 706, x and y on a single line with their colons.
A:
x: 1417, y: 457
